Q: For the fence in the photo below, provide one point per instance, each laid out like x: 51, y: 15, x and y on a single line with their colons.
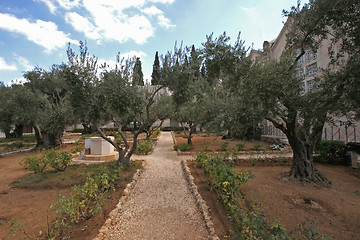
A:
x: 344, y: 133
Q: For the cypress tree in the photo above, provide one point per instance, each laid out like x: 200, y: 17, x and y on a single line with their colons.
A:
x: 156, y: 74
x: 138, y: 77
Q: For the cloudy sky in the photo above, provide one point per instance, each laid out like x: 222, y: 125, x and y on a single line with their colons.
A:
x: 36, y: 32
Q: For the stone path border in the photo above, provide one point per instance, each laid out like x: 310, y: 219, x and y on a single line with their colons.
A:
x: 201, y: 204
x: 115, y: 211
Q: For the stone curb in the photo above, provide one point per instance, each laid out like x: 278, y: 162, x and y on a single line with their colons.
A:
x: 17, y: 151
x: 109, y: 221
x: 200, y: 203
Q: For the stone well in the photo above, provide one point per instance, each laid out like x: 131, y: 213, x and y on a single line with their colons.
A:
x: 98, y: 149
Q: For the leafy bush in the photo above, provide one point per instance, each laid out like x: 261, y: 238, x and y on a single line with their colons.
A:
x: 145, y: 147
x: 224, y: 145
x: 156, y: 133
x: 35, y: 164
x: 331, y: 151
x: 240, y: 146
x: 247, y: 218
x: 78, y: 147
x: 182, y: 147
x: 58, y: 161
x: 258, y: 146
x: 84, y: 200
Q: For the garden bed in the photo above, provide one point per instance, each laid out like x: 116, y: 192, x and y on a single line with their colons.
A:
x: 335, y: 210
x: 29, y: 205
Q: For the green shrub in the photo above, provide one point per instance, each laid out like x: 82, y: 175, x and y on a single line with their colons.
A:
x: 331, y: 151
x: 258, y: 146
x: 144, y: 147
x: 182, y: 147
x: 247, y: 218
x: 156, y: 133
x: 14, y: 145
x: 240, y: 146
x: 224, y: 145
x: 35, y: 164
x: 58, y: 160
x: 78, y: 148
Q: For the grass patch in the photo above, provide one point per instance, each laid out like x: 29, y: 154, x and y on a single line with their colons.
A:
x: 24, y: 138
x: 74, y: 175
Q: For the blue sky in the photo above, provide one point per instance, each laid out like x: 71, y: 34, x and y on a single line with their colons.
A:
x: 36, y: 32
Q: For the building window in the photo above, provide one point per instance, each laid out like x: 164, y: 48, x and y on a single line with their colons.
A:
x: 311, y: 70
x: 300, y: 62
x: 310, y: 85
x: 300, y: 73
x: 310, y: 55
x: 303, y: 90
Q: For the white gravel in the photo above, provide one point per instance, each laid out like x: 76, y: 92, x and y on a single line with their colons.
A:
x: 161, y: 205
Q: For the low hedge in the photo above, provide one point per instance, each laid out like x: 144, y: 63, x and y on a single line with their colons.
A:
x: 332, y: 152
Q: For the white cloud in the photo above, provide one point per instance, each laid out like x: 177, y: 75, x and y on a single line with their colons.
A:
x: 82, y: 24
x: 250, y: 11
x: 65, y: 4
x: 127, y: 55
x: 152, y: 11
x: 40, y: 32
x: 6, y: 66
x: 19, y: 81
x: 68, y: 4
x: 23, y: 62
x: 163, y: 1
x: 165, y: 22
x: 49, y: 4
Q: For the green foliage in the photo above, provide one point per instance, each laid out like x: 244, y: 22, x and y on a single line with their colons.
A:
x: 35, y: 164
x: 78, y: 148
x: 281, y: 159
x: 156, y: 73
x: 224, y: 145
x: 84, y: 200
x: 182, y: 147
x: 247, y: 218
x: 14, y: 145
x: 58, y: 160
x: 144, y: 147
x: 23, y: 138
x: 258, y: 146
x: 333, y: 152
x: 240, y: 146
x: 156, y: 133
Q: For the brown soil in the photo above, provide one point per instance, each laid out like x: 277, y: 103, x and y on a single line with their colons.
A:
x: 213, y: 143
x: 335, y: 210
x: 217, y: 210
x: 30, y: 207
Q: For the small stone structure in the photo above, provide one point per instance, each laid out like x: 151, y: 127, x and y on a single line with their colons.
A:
x: 98, y: 149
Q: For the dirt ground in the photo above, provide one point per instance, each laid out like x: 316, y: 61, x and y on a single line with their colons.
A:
x: 335, y: 210
x: 213, y: 143
x: 30, y: 207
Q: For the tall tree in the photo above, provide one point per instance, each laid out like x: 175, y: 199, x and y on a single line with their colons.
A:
x: 156, y: 73
x: 120, y: 101
x: 275, y: 87
x: 50, y: 89
x: 81, y: 75
x: 138, y: 77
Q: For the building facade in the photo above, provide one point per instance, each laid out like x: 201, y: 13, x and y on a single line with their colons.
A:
x: 309, y: 66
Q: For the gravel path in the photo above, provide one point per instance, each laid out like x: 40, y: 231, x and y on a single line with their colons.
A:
x: 161, y: 205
